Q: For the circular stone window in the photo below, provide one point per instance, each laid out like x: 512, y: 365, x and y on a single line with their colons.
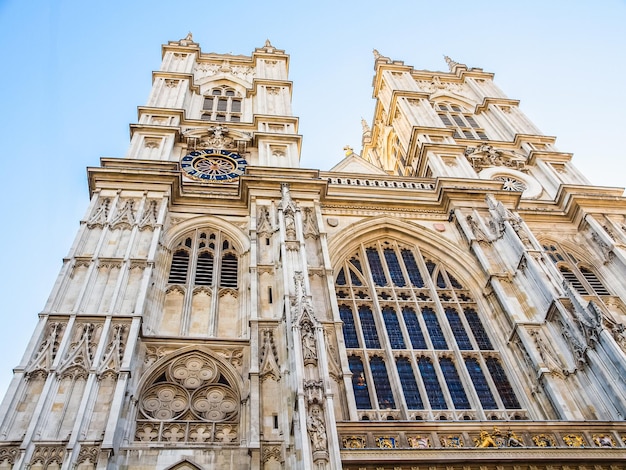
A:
x: 511, y: 184
x: 513, y: 180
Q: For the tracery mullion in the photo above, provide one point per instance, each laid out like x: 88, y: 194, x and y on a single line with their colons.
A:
x: 383, y: 336
x: 191, y: 277
x: 217, y: 273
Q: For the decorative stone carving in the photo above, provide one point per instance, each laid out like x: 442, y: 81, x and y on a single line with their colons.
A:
x: 418, y: 442
x: 546, y: 352
x: 47, y: 351
x: 170, y: 83
x: 603, y: 440
x: 269, y: 368
x: 437, y: 85
x: 316, y: 429
x: 386, y: 442
x: 544, y: 440
x: 289, y: 213
x: 100, y: 215
x: 112, y: 358
x: 272, y: 452
x: 486, y: 156
x: 82, y: 349
x: 264, y: 224
x: 88, y: 454
x: 149, y: 217
x: 353, y: 442
x: 498, y: 439
x: 310, y: 224
x: 47, y: 456
x: 217, y: 138
x: 607, y: 250
x: 479, y: 233
x: 574, y: 440
x: 243, y: 72
x: 125, y: 216
x: 190, y: 392
x: 309, y: 344
x: 452, y: 440
x: 8, y: 454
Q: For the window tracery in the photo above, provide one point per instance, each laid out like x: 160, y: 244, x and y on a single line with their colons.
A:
x: 443, y: 358
x: 222, y: 104
x: 190, y: 399
x: 577, y: 274
x: 463, y: 123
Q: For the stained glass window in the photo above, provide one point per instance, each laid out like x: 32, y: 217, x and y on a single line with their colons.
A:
x: 480, y: 384
x: 349, y: 329
x: 411, y: 267
x: 355, y: 279
x: 480, y: 335
x: 433, y: 389
x: 376, y: 267
x: 414, y: 329
x: 381, y: 383
x: 393, y: 328
x: 409, y: 386
x: 394, y: 267
x: 502, y: 384
x: 341, y: 278
x: 455, y: 387
x: 370, y: 334
x: 434, y: 329
x: 359, y: 384
x: 460, y: 334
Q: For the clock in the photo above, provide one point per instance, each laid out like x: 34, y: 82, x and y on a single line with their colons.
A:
x: 213, y: 165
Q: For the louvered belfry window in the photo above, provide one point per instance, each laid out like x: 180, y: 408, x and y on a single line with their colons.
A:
x: 417, y: 344
x: 205, y: 258
x: 580, y: 276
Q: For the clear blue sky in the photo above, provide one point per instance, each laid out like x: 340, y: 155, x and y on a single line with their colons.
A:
x: 75, y: 71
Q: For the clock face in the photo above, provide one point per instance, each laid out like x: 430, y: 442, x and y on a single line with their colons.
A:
x: 213, y: 165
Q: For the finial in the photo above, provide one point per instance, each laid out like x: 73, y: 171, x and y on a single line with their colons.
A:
x: 450, y: 62
x: 348, y: 150
x: 186, y: 40
x: 365, y: 126
x: 268, y: 43
x: 376, y: 54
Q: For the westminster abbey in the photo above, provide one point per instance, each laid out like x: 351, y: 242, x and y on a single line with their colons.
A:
x: 451, y: 297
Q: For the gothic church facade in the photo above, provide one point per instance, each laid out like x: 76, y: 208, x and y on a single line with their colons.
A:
x: 451, y: 298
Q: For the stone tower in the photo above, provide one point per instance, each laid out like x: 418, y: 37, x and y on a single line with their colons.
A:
x: 450, y: 298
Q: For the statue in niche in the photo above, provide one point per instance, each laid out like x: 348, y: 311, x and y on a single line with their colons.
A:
x: 316, y: 428
x: 309, y: 350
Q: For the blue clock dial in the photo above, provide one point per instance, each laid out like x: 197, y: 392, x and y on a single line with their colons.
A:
x: 213, y: 165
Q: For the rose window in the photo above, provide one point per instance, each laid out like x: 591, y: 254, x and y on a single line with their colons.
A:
x: 189, y: 400
x: 511, y: 184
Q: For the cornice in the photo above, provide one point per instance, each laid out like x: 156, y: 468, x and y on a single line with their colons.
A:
x: 487, y: 101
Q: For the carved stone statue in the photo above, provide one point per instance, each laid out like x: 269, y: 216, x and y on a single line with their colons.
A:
x: 309, y: 350
x: 316, y: 428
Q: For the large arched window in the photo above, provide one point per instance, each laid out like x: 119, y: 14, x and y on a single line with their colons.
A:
x: 194, y: 261
x: 417, y: 346
x: 202, y: 286
x: 463, y: 122
x: 578, y: 274
x: 222, y: 104
x: 189, y: 399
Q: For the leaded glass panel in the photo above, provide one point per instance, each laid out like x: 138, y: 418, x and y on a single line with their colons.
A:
x: 455, y: 387
x: 431, y: 383
x: 480, y: 384
x: 414, y: 328
x: 397, y: 277
x: 376, y: 267
x: 434, y: 329
x: 462, y: 340
x: 393, y: 328
x: 409, y: 386
x: 359, y: 384
x: 349, y: 328
x: 502, y: 384
x: 381, y: 383
x: 370, y: 334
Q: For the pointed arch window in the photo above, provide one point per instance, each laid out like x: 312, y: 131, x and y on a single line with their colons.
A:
x: 463, y: 122
x: 222, y: 104
x: 189, y: 399
x: 194, y: 259
x: 578, y: 274
x: 432, y: 332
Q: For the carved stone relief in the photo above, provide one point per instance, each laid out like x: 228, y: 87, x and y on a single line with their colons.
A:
x: 100, y: 215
